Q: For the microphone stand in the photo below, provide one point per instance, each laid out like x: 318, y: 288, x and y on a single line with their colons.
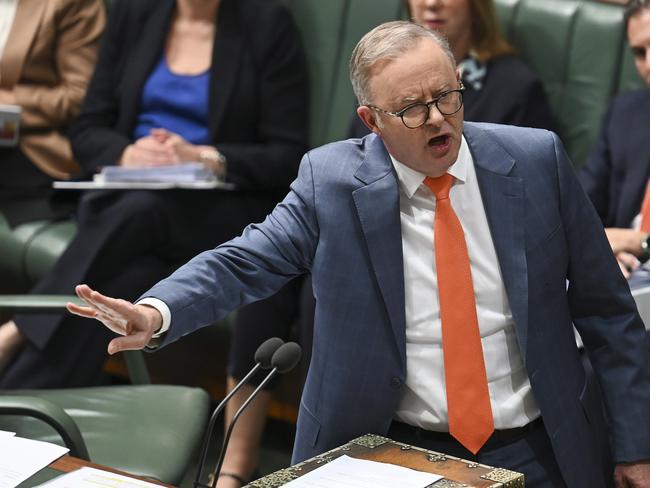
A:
x: 226, y: 437
x: 213, y: 419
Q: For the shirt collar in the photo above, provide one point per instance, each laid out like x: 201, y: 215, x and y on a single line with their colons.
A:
x: 410, y: 179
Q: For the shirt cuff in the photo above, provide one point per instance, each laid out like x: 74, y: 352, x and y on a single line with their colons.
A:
x: 164, y: 312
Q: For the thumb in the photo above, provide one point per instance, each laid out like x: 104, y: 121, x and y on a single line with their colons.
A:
x: 133, y: 342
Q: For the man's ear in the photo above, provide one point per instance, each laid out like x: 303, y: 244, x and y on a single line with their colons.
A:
x: 369, y: 117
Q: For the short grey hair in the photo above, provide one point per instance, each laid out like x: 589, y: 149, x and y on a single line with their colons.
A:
x: 387, y: 41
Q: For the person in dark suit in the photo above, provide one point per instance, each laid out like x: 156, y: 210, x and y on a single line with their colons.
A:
x: 428, y: 225
x: 617, y: 172
x: 499, y: 87
x: 176, y: 81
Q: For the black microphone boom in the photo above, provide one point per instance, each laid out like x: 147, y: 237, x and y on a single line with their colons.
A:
x: 283, y: 361
x: 263, y: 360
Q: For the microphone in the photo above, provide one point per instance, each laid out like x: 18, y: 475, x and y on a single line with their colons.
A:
x: 283, y: 361
x: 263, y: 360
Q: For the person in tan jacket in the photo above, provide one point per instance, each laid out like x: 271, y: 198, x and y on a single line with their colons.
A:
x: 47, y: 54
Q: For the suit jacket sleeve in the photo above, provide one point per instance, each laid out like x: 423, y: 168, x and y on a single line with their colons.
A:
x: 246, y: 269
x: 596, y: 175
x: 282, y: 122
x: 605, y: 315
x: 94, y: 137
x: 77, y: 33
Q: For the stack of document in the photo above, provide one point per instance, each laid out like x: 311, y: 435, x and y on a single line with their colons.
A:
x: 21, y: 458
x: 348, y: 472
x: 177, y: 173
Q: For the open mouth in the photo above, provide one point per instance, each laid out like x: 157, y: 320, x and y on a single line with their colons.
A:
x: 439, y: 141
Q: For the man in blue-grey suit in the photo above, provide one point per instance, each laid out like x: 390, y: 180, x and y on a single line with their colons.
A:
x: 360, y: 217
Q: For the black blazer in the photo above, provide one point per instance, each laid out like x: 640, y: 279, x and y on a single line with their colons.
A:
x: 258, y: 89
x: 617, y: 171
x: 511, y: 94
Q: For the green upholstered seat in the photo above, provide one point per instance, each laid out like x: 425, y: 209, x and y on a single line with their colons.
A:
x: 579, y: 50
x: 330, y: 30
x: 149, y: 430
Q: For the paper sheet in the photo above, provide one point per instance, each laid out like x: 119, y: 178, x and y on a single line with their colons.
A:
x: 21, y: 458
x: 347, y: 472
x: 96, y: 478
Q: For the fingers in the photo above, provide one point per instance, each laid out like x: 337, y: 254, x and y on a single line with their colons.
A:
x: 87, y: 312
x: 627, y: 262
x: 148, y: 152
x: 113, y: 313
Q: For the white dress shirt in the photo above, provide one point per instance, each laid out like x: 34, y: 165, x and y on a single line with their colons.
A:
x: 7, y: 14
x: 424, y: 401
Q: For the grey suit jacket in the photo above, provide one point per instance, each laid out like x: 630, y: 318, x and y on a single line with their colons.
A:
x: 341, y: 222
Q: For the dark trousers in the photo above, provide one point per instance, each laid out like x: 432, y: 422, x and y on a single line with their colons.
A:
x: 530, y: 453
x: 126, y: 242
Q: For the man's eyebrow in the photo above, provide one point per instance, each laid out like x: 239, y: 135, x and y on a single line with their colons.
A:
x: 415, y: 99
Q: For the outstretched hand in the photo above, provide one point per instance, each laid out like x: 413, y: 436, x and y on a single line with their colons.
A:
x: 136, y: 323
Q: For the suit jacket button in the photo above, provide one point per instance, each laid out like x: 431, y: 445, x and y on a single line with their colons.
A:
x: 395, y: 383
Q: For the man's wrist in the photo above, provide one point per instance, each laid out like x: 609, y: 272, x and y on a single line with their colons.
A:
x: 163, y: 311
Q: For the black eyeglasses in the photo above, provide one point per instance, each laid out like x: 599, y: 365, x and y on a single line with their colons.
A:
x: 417, y: 114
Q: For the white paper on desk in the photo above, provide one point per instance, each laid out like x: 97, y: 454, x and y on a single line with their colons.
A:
x: 6, y: 433
x: 176, y: 173
x: 21, y: 458
x: 347, y: 472
x: 96, y: 478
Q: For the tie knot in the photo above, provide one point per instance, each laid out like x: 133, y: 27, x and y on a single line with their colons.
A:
x: 440, y: 186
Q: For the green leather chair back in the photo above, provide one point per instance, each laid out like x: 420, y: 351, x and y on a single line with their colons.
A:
x: 147, y: 430
x: 579, y: 50
x: 330, y: 30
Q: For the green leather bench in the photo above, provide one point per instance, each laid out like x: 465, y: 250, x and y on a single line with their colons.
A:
x: 579, y: 50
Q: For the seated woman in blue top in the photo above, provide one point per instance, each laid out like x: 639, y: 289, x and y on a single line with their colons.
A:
x: 176, y: 81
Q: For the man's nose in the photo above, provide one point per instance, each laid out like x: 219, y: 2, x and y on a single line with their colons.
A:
x: 435, y: 118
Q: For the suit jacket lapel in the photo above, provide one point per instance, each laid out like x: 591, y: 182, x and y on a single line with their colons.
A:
x: 26, y: 22
x: 146, y: 54
x: 226, y: 58
x: 503, y: 200
x: 377, y: 205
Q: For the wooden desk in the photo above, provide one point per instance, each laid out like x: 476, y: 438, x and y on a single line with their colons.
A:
x: 457, y: 472
x: 67, y: 464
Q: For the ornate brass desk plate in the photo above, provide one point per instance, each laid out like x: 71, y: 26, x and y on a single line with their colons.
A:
x: 457, y: 472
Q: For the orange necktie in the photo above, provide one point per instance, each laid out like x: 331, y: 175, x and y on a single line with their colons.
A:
x: 468, y: 399
x: 645, y: 210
